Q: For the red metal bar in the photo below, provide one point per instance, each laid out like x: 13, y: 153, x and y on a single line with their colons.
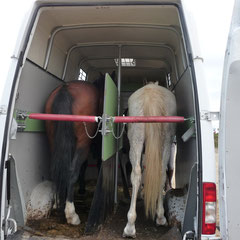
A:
x: 117, y: 119
x: 145, y: 119
x: 63, y: 117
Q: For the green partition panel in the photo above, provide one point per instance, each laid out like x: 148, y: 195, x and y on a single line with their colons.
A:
x: 109, y: 109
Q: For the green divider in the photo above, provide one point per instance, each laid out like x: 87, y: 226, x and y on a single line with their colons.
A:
x: 110, y: 109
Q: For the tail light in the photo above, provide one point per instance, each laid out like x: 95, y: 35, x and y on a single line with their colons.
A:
x: 209, y: 208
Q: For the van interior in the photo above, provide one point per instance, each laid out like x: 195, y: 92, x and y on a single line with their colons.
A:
x: 77, y: 41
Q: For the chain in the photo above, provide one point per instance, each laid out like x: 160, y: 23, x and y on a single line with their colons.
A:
x: 122, y: 131
x: 91, y: 137
x: 113, y: 133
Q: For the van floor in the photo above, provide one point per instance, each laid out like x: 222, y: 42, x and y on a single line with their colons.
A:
x: 55, y: 227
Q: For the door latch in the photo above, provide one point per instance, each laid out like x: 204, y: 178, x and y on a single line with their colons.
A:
x: 10, y: 224
x: 3, y: 110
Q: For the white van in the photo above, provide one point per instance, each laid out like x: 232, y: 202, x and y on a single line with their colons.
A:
x: 63, y: 38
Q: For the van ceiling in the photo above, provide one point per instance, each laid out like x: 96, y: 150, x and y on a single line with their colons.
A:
x: 89, y: 37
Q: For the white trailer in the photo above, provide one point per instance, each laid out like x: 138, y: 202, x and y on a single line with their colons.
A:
x: 62, y: 37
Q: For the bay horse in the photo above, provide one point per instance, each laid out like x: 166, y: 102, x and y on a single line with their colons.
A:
x: 69, y: 143
x: 150, y: 100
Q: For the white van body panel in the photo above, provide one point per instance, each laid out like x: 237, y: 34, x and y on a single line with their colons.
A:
x: 3, y: 196
x: 5, y: 98
x: 208, y: 154
x: 229, y: 134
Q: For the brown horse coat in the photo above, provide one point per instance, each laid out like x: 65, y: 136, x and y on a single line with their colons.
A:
x: 85, y: 102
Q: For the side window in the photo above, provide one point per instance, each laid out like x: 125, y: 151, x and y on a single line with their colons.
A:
x: 82, y: 75
x: 126, y: 62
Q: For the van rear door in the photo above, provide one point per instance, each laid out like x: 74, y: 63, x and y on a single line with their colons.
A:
x: 229, y: 162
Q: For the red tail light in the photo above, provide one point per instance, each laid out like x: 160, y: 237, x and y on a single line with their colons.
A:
x: 209, y: 208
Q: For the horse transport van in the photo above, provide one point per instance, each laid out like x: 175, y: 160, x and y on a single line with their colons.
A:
x: 77, y: 40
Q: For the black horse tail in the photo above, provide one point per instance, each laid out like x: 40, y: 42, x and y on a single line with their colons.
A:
x: 64, y: 144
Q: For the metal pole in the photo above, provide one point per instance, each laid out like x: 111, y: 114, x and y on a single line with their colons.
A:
x: 118, y: 113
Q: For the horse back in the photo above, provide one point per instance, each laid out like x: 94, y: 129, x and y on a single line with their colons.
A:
x: 85, y: 98
x: 159, y: 100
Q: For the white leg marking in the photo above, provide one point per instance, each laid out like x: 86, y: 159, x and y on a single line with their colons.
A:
x: 161, y: 220
x: 136, y: 138
x: 55, y: 203
x: 173, y: 157
x: 71, y: 216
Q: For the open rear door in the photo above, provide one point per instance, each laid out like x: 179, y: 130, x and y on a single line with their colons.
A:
x: 229, y: 160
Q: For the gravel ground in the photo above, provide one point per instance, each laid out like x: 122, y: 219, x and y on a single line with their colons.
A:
x: 55, y: 227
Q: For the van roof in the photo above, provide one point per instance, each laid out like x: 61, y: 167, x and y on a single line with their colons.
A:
x: 151, y: 31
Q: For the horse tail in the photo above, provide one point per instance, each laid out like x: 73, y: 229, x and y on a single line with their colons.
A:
x: 153, y: 155
x: 64, y: 144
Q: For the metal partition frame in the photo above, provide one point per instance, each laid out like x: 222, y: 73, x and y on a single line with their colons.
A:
x: 84, y: 26
x: 95, y: 58
x: 122, y: 44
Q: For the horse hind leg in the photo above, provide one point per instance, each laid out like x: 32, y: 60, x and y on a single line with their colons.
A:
x: 136, y: 139
x: 170, y: 169
x: 79, y: 158
x: 82, y: 184
x: 161, y: 220
x: 70, y: 214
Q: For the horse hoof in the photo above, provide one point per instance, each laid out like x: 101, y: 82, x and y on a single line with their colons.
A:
x: 128, y: 236
x: 74, y: 220
x: 161, y: 221
x: 129, y: 233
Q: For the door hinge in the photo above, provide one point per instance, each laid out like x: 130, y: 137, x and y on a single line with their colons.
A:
x: 9, y: 224
x: 3, y: 110
x: 209, y: 116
